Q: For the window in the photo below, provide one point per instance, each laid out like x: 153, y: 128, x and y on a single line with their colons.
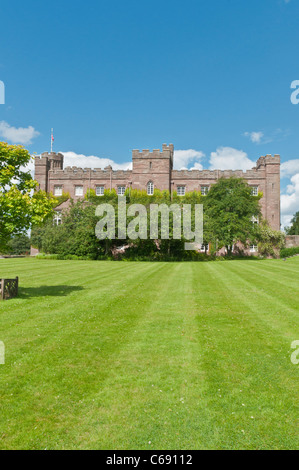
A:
x: 121, y: 190
x: 254, y: 190
x: 150, y: 165
x: 181, y: 190
x: 58, y: 191
x: 100, y: 190
x: 57, y: 220
x: 204, y: 190
x: 204, y: 248
x: 78, y: 190
x: 150, y: 188
x: 253, y: 248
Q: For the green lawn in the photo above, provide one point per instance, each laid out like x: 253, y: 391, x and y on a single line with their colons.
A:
x: 123, y: 355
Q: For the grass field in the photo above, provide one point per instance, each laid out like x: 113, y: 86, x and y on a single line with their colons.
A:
x: 116, y: 355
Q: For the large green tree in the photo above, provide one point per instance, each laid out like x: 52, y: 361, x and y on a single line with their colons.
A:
x: 21, y: 206
x: 294, y: 228
x: 229, y: 208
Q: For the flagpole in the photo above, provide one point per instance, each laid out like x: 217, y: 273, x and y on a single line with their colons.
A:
x: 51, y: 140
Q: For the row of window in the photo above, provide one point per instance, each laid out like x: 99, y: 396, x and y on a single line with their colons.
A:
x: 205, y: 189
x: 181, y: 190
x: 252, y: 248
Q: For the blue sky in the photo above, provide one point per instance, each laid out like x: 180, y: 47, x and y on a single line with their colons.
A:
x: 213, y: 78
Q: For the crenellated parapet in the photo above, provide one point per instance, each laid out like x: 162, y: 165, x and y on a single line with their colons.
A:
x: 268, y: 160
x: 216, y: 174
x: 85, y: 173
x: 167, y: 152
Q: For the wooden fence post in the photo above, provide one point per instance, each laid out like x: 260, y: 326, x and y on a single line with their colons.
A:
x: 9, y: 288
x: 2, y: 289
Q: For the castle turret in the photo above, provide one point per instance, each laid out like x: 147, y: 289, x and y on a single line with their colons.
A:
x: 45, y: 163
x: 153, y: 167
x: 271, y: 199
x: 55, y: 160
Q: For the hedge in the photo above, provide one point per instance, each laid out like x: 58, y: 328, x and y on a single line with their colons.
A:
x: 287, y: 252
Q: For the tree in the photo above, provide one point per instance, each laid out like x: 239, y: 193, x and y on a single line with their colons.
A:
x: 75, y: 236
x: 294, y: 228
x: 20, y: 206
x: 19, y: 245
x: 230, y: 207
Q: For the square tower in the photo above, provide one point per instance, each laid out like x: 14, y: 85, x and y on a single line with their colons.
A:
x: 152, y: 169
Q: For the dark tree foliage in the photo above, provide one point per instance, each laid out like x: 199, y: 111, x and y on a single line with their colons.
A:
x: 294, y: 228
x: 19, y: 245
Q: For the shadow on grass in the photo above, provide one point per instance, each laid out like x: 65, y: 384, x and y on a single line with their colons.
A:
x: 44, y: 291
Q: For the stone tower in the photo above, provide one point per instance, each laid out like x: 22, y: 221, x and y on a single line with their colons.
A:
x: 155, y: 166
x: 45, y: 163
x: 271, y: 192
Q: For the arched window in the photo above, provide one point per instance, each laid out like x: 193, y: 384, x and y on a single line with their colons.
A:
x: 150, y: 188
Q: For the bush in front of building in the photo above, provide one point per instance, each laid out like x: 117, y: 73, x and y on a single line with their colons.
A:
x: 270, y: 241
x: 287, y: 252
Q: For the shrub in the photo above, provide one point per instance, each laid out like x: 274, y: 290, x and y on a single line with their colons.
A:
x: 287, y: 252
x: 270, y: 241
x: 45, y: 256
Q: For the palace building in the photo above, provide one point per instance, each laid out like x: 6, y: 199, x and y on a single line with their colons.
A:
x: 154, y: 169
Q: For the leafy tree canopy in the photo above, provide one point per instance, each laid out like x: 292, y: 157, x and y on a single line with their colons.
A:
x: 294, y: 228
x: 20, y: 206
x: 230, y: 208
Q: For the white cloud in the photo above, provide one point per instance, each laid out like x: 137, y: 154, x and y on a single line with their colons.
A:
x: 183, y: 159
x: 83, y: 161
x: 197, y: 166
x: 290, y: 198
x: 289, y: 168
x: 227, y: 158
x: 255, y: 137
x: 29, y: 167
x: 20, y: 135
x: 286, y: 220
x: 290, y: 201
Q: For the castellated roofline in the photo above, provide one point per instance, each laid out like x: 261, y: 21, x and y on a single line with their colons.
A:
x: 268, y: 160
x: 216, y: 174
x: 51, y: 155
x: 75, y: 171
x: 167, y: 152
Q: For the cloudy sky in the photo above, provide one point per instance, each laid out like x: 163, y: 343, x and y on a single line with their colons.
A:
x: 213, y: 78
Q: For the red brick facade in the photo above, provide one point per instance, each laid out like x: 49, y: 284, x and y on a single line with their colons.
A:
x: 157, y: 167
